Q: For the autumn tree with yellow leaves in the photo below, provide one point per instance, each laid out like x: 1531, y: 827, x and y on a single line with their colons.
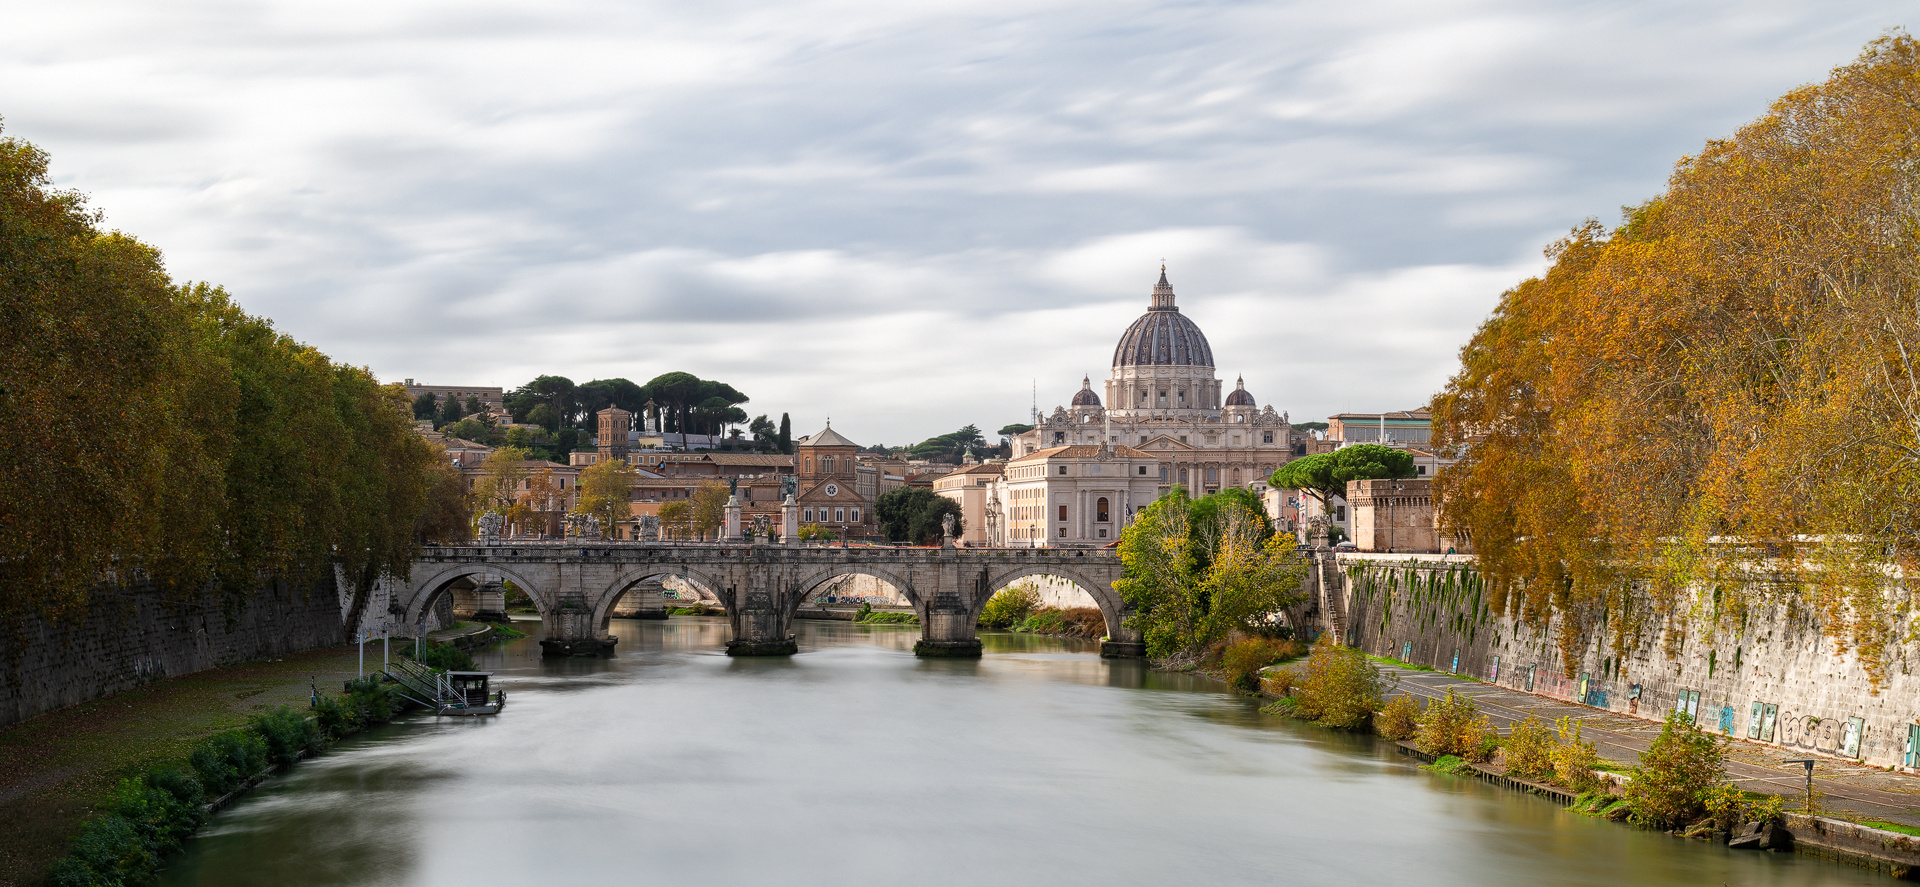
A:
x: 1717, y: 401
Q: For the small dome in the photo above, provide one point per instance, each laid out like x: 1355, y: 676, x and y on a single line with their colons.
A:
x: 1085, y: 396
x: 1240, y: 397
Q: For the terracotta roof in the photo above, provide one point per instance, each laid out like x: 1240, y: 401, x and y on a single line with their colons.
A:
x: 826, y: 438
x: 992, y: 468
x: 763, y: 459
x: 1084, y: 451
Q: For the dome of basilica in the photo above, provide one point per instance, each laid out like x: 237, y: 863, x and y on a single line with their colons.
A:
x: 1163, y: 336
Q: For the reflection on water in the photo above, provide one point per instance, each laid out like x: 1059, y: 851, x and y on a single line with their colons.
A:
x: 857, y: 763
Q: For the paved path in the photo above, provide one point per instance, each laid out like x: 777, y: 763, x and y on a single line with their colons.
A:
x: 1852, y: 790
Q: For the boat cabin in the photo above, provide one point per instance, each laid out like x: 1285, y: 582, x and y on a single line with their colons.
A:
x: 470, y: 685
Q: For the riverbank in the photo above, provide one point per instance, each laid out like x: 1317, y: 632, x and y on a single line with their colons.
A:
x: 57, y: 768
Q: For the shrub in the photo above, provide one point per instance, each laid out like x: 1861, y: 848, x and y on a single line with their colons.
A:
x: 1675, y: 774
x: 1530, y: 749
x: 1453, y: 726
x: 1398, y: 719
x: 1242, y: 661
x: 433, y: 654
x: 1010, y: 606
x: 225, y: 761
x: 1340, y: 689
x: 108, y: 851
x: 287, y: 733
x: 1574, y: 760
x: 373, y: 700
x: 1726, y: 805
x: 1280, y: 682
x: 888, y: 618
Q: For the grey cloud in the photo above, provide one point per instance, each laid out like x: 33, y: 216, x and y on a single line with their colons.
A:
x: 845, y: 206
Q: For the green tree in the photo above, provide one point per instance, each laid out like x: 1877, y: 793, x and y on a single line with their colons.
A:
x: 542, y: 415
x: 1193, y: 574
x: 913, y: 514
x: 762, y: 429
x: 1326, y: 475
x: 426, y: 406
x: 1014, y: 430
x: 473, y: 406
x: 786, y: 434
x: 450, y: 411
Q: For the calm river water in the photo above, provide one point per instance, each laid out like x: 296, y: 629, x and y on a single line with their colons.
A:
x: 855, y: 763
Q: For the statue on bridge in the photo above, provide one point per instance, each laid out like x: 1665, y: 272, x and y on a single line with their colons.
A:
x: 490, y: 528
x: 647, y: 528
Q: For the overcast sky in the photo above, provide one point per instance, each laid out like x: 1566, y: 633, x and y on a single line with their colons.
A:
x: 894, y: 214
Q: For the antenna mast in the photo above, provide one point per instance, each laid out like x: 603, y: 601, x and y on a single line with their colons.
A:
x: 1033, y: 416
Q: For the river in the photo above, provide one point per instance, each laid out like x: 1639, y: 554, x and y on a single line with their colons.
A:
x: 855, y: 763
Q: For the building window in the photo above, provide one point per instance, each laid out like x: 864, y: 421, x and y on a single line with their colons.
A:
x: 1266, y: 437
x: 1059, y: 437
x: 806, y: 514
x: 1183, y: 438
x: 1063, y: 512
x: 1143, y: 470
x: 1340, y: 513
x: 1103, y: 532
x: 1213, y: 475
x: 1183, y: 475
x: 1063, y: 532
x: 853, y: 515
x: 1143, y: 440
x: 1063, y: 469
x: 1143, y: 397
x: 1163, y: 398
x: 1100, y: 511
x: 1163, y: 474
x: 1420, y: 469
x: 839, y: 515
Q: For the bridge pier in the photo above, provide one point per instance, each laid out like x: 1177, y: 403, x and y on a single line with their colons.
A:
x: 571, y: 631
x: 762, y: 616
x: 1115, y: 649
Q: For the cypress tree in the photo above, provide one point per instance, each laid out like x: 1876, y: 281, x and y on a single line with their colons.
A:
x: 786, y: 434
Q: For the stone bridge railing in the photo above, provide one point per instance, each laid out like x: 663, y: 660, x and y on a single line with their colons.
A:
x: 575, y: 585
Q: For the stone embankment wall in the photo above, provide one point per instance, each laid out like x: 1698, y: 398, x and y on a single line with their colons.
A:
x: 134, y: 636
x: 1771, y: 677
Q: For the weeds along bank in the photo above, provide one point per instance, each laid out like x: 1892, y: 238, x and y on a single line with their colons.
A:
x: 1766, y: 673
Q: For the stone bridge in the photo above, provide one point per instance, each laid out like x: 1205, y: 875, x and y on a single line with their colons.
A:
x: 576, y: 585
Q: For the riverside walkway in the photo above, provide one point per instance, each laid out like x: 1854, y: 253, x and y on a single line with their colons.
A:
x: 1853, y: 791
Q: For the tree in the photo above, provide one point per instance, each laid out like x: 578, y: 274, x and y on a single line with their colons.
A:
x: 599, y: 394
x: 764, y: 434
x: 519, y: 436
x: 474, y: 407
x: 786, y: 434
x: 676, y: 519
x: 556, y: 392
x: 606, y: 489
x: 448, y: 517
x: 450, y: 411
x: 913, y: 514
x: 425, y: 406
x: 1193, y: 574
x: 677, y: 392
x: 950, y: 447
x: 709, y: 512
x: 497, y: 489
x: 542, y: 415
x: 478, y: 429
x: 1326, y: 475
x: 1014, y: 430
x: 1737, y: 361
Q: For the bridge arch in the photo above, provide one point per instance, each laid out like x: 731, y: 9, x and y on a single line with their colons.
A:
x: 1112, y: 606
x: 604, y: 602
x: 423, y: 592
x: 901, y: 582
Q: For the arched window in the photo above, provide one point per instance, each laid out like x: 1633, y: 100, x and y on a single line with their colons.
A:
x: 1100, y: 510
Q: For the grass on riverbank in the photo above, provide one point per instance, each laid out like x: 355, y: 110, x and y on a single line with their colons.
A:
x: 56, y: 769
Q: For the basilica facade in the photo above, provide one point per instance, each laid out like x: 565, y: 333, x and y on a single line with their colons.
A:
x: 1164, y: 399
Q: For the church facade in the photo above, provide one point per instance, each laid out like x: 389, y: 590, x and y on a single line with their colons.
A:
x: 1164, y: 398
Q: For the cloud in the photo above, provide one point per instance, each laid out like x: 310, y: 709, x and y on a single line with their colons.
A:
x: 897, y: 214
